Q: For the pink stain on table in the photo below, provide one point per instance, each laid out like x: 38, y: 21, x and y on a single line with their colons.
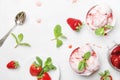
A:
x: 38, y: 20
x: 74, y: 1
x: 38, y: 4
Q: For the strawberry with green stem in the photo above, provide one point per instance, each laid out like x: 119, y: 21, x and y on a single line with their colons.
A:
x: 36, y: 67
x: 41, y: 72
x: 75, y: 24
x: 19, y: 40
x: 106, y: 75
x: 13, y: 64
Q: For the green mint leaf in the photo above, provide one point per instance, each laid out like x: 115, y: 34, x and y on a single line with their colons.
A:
x: 39, y: 60
x: 58, y: 43
x: 64, y: 37
x: 87, y: 55
x: 15, y: 38
x: 49, y: 67
x: 20, y: 37
x: 52, y: 67
x: 46, y: 69
x: 81, y: 65
x: 108, y: 26
x: 25, y: 44
x: 57, y: 31
x: 48, y: 62
x: 99, y: 31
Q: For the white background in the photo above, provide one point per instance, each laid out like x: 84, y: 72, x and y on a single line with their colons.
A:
x: 53, y: 12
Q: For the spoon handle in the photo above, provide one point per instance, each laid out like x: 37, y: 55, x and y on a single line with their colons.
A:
x: 6, y: 35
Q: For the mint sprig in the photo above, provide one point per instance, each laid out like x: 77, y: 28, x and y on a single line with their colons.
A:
x: 101, y: 31
x: 19, y: 40
x: 82, y: 64
x: 58, y: 34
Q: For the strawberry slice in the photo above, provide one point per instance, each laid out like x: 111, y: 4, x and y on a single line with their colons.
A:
x: 12, y: 65
x: 75, y: 24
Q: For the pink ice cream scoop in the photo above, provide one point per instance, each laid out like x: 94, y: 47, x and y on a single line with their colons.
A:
x: 99, y: 16
x: 92, y: 64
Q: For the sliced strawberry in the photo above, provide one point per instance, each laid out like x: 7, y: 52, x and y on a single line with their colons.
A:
x: 12, y: 65
x: 45, y: 76
x: 75, y: 24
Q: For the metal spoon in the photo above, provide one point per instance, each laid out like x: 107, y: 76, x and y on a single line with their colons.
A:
x: 19, y: 20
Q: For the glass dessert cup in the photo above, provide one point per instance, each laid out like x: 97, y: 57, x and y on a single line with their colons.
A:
x: 100, y: 19
x: 114, y: 57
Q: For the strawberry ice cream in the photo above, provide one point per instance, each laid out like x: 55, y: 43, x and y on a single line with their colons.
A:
x: 77, y: 56
x: 99, y: 16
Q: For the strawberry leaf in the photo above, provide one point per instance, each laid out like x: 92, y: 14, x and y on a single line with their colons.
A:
x: 99, y: 31
x: 87, y: 55
x: 59, y: 43
x: 20, y: 37
x: 39, y: 60
x: 57, y: 31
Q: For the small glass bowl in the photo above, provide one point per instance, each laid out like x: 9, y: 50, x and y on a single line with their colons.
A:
x: 109, y: 56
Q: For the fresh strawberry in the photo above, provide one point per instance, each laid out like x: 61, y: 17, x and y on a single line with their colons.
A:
x: 106, y: 75
x: 75, y: 24
x: 12, y: 65
x: 45, y: 76
x: 35, y: 70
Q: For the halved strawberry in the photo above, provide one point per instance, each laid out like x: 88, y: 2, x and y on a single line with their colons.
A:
x: 12, y: 65
x: 106, y: 75
x: 75, y: 24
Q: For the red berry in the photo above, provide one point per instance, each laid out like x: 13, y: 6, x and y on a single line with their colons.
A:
x: 45, y: 76
x: 12, y: 65
x: 35, y: 70
x: 75, y: 24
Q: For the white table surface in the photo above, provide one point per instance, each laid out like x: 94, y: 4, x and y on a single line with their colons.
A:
x: 39, y: 35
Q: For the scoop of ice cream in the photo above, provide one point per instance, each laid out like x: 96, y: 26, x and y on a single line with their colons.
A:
x: 99, y: 16
x: 77, y: 56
